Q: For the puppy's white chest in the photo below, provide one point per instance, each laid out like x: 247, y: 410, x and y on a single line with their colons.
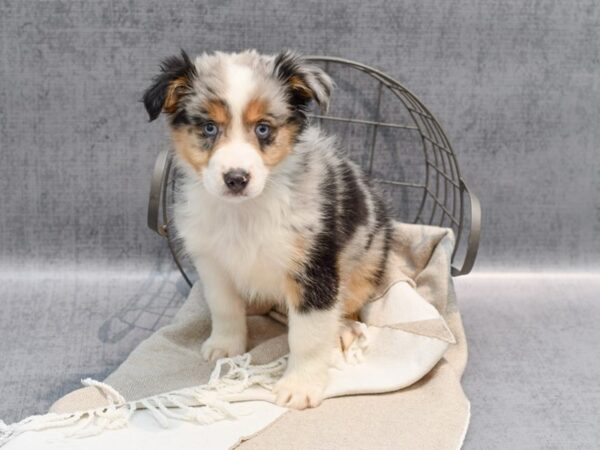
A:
x: 260, y: 270
x: 255, y: 260
x: 254, y: 248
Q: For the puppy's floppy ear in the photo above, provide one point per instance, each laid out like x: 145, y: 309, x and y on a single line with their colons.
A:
x: 172, y: 83
x: 305, y: 81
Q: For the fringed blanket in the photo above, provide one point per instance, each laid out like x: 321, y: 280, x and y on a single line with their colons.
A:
x: 409, y: 346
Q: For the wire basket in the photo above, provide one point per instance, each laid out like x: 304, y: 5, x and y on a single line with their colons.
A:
x: 397, y: 141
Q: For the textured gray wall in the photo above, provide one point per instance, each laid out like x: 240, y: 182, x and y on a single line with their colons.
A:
x: 515, y: 84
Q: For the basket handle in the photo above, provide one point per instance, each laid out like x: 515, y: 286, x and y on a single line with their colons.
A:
x: 474, y: 234
x: 157, y: 187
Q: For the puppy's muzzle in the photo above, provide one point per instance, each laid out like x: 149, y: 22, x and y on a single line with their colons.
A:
x: 236, y: 180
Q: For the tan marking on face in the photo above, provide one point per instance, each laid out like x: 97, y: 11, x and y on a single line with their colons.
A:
x: 187, y: 147
x: 282, y: 145
x: 218, y: 112
x: 255, y: 111
x: 174, y: 94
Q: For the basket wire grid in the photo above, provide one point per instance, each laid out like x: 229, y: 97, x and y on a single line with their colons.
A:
x: 439, y: 195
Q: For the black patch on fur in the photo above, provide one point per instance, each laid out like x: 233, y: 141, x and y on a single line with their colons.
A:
x: 197, y: 121
x: 171, y: 69
x: 381, y: 266
x: 380, y: 211
x: 383, y: 224
x: 300, y: 121
x: 354, y: 206
x: 319, y: 278
x: 180, y: 118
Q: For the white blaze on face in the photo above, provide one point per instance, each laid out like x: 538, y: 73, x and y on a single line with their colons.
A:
x: 236, y: 152
x: 240, y: 84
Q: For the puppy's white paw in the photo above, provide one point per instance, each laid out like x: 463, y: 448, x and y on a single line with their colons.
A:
x: 295, y: 391
x: 221, y: 346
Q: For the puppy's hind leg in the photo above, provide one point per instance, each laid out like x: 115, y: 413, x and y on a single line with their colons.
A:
x: 228, y: 313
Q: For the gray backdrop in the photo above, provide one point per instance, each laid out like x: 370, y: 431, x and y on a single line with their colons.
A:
x: 515, y: 84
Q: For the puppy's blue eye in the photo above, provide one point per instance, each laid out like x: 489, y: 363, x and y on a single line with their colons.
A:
x: 262, y: 130
x: 210, y: 129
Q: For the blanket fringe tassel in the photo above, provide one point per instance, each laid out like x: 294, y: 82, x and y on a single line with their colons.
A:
x: 230, y: 376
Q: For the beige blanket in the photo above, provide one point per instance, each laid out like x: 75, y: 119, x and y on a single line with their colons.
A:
x: 431, y: 413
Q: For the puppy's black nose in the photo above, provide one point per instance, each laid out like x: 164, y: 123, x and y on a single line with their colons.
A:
x: 236, y: 180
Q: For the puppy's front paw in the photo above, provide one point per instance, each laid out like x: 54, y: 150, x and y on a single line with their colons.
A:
x: 295, y: 391
x: 220, y: 346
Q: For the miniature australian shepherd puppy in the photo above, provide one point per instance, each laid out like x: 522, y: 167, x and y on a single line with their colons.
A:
x: 269, y: 211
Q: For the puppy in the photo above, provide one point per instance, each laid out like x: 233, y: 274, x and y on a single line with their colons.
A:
x: 269, y: 211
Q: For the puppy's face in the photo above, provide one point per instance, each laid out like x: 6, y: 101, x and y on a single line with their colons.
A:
x: 235, y: 117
